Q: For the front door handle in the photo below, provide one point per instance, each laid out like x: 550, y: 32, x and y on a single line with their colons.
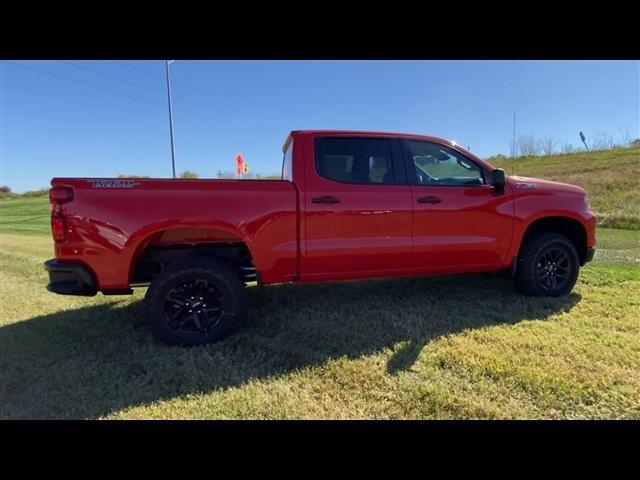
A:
x: 325, y: 199
x: 429, y: 199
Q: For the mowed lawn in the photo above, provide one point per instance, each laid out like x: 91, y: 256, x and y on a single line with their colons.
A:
x: 442, y: 347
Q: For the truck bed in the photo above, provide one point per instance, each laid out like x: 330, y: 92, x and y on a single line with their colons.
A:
x: 111, y: 221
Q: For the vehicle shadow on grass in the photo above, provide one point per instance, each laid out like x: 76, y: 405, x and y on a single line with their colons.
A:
x: 92, y: 361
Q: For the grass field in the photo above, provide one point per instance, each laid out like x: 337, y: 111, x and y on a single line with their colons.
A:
x: 440, y: 347
x: 612, y: 178
x: 28, y: 216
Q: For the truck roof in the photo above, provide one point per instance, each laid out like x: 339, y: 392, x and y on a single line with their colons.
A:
x: 367, y: 132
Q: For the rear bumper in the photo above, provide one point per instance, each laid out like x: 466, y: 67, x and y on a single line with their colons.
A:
x: 591, y: 251
x: 69, y: 279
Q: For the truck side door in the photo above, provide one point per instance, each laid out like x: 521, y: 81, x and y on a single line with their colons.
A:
x: 358, y: 208
x: 459, y: 221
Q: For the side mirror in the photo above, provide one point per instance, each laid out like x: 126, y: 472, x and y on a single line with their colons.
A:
x: 499, y: 178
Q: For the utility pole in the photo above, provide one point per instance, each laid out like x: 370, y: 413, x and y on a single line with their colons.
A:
x: 173, y: 153
x: 513, y: 138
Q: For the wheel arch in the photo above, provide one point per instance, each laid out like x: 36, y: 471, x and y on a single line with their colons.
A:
x: 189, y: 238
x: 564, y: 225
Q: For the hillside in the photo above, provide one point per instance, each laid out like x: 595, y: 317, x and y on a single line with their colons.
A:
x: 612, y: 178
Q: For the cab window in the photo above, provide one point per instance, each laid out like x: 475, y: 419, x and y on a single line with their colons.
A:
x: 355, y: 160
x: 436, y: 164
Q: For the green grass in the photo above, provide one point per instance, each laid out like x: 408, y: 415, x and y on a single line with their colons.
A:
x: 611, y: 177
x: 26, y: 215
x: 443, y: 347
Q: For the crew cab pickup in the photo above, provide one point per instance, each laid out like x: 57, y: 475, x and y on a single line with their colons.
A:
x: 350, y: 205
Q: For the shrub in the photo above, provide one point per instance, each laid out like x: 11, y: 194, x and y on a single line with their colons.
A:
x: 36, y: 193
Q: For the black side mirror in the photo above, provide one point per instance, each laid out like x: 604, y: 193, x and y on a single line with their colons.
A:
x: 499, y: 178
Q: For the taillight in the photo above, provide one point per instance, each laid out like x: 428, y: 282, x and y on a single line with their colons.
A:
x: 60, y: 195
x: 58, y: 226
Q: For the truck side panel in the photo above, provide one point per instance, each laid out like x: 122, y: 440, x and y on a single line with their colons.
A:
x: 110, y: 224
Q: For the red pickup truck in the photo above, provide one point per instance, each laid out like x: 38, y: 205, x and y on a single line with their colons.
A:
x: 350, y: 205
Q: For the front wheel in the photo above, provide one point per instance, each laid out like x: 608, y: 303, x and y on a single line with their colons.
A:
x: 193, y: 302
x: 548, y: 265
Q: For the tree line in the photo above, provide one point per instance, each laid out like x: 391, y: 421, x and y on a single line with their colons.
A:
x: 529, y: 146
x: 192, y: 175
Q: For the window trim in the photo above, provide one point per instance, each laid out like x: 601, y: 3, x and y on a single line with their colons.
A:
x: 289, y: 145
x: 411, y: 171
x: 397, y: 163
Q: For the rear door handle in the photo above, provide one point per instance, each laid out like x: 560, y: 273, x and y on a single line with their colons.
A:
x: 429, y: 199
x: 325, y: 199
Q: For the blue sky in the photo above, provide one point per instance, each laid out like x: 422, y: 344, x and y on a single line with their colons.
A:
x: 52, y: 126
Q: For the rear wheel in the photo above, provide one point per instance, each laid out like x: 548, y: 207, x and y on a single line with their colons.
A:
x: 193, y: 302
x: 548, y: 265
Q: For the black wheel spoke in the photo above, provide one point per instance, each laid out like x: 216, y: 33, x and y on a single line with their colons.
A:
x: 553, y: 268
x: 194, y: 307
x: 178, y: 322
x: 196, y: 320
x: 176, y: 315
x: 177, y: 300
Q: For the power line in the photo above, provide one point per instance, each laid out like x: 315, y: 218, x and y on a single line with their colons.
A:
x: 85, y: 83
x: 160, y: 76
x: 210, y: 108
x: 114, y: 77
x: 136, y: 68
x: 131, y: 82
x: 115, y: 92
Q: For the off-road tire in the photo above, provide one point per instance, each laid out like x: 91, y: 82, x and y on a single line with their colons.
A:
x: 536, y: 255
x: 213, y: 279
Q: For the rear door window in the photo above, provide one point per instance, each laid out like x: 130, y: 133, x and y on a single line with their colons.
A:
x: 355, y: 160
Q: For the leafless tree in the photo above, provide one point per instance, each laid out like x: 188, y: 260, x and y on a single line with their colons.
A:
x: 546, y: 145
x: 602, y: 141
x: 625, y: 137
x: 526, y: 146
x: 567, y: 148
